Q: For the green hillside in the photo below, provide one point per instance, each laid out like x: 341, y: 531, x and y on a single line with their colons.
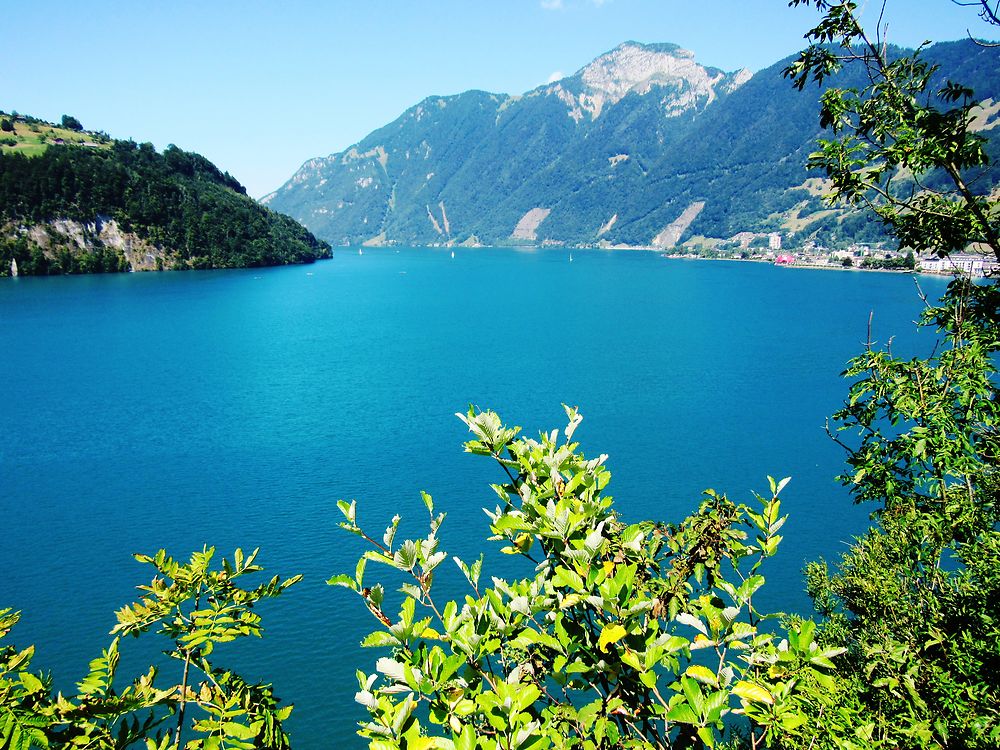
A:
x: 73, y: 201
x: 30, y: 136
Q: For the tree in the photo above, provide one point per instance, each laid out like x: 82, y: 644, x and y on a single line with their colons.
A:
x: 195, y: 608
x: 6, y: 125
x: 642, y: 635
x: 915, y: 602
x: 990, y: 14
x: 899, y: 148
x: 71, y: 123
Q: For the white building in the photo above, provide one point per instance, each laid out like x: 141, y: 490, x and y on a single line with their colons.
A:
x: 967, y: 263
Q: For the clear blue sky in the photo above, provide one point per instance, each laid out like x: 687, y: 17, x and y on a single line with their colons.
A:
x: 259, y: 87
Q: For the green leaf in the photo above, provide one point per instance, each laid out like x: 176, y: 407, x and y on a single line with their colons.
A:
x: 682, y: 714
x: 692, y: 691
x: 702, y: 674
x: 405, y: 557
x: 31, y: 683
x: 342, y: 579
x: 349, y: 509
x: 792, y: 721
x: 695, y: 622
x: 752, y: 693
x: 380, y: 639
x: 237, y: 730
x: 466, y: 740
x: 611, y: 633
x: 707, y: 736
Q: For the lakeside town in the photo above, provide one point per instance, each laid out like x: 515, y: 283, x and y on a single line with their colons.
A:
x: 768, y: 248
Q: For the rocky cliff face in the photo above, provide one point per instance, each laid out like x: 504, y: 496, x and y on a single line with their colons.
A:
x: 644, y: 146
x: 102, y: 239
x: 663, y: 71
x: 102, y: 234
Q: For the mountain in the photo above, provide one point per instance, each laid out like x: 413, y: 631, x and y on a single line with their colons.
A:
x: 73, y: 201
x: 642, y: 147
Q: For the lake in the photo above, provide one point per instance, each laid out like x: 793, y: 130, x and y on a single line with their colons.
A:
x: 233, y: 408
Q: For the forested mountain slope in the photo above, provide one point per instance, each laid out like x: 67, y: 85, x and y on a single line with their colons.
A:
x: 642, y: 147
x: 104, y: 206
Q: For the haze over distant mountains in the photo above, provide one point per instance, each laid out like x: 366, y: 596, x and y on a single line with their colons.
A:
x: 642, y: 147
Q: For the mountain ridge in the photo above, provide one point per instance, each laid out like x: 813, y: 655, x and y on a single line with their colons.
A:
x: 617, y: 154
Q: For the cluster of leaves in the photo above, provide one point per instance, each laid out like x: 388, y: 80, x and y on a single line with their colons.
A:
x: 646, y: 635
x: 900, y: 146
x: 180, y: 202
x: 621, y: 635
x: 195, y: 608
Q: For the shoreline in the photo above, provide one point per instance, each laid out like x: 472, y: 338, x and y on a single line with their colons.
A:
x: 809, y: 266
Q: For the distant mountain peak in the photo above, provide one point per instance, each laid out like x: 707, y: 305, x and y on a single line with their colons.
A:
x: 642, y: 147
x: 638, y: 68
x: 633, y: 65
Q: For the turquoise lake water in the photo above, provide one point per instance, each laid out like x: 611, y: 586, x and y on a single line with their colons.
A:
x: 234, y: 408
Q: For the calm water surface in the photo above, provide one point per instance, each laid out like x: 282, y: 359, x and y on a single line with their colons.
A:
x: 233, y: 408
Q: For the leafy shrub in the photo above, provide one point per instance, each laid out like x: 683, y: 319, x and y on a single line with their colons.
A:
x: 637, y: 635
x: 194, y: 607
x: 916, y: 600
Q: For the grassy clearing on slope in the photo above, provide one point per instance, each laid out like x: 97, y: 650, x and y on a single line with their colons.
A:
x: 33, y: 138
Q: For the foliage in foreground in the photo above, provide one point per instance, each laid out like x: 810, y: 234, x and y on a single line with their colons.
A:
x: 641, y: 635
x: 916, y: 600
x: 646, y: 635
x: 195, y: 608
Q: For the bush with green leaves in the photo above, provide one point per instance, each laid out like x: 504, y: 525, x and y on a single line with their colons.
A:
x: 195, y: 608
x: 617, y: 635
x: 646, y: 635
x: 916, y: 600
